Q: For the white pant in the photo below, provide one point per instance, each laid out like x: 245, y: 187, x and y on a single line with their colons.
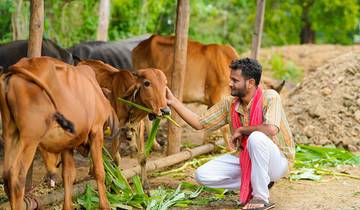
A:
x: 267, y: 163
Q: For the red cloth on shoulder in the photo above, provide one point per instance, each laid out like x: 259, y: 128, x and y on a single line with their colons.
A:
x: 256, y: 118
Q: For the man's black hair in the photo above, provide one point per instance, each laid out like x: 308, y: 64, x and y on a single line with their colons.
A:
x: 250, y: 68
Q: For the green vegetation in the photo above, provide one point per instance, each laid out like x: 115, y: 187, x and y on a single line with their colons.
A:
x: 311, y: 162
x: 121, y: 195
x: 283, y: 69
x: 224, y: 21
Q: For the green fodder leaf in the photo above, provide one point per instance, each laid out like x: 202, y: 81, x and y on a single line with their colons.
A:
x: 89, y: 200
x: 135, y: 105
x: 197, y: 192
x: 151, y: 137
x: 305, y: 174
x: 130, y: 103
x: 115, y: 178
x: 311, y: 156
x: 188, y: 185
x: 172, y: 120
x: 138, y: 186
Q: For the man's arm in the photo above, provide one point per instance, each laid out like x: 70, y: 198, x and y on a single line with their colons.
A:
x: 186, y: 114
x: 269, y: 130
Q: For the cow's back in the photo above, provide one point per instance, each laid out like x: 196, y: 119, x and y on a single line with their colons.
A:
x: 117, y: 53
x: 75, y: 89
x: 207, y: 68
x: 12, y: 52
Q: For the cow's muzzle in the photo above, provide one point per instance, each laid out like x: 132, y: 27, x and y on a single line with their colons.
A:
x: 165, y: 111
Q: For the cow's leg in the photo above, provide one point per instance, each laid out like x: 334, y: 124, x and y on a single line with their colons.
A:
x: 17, y: 160
x: 96, y: 155
x: 156, y: 146
x: 51, y: 161
x: 68, y: 176
x: 141, y: 155
x: 115, y: 146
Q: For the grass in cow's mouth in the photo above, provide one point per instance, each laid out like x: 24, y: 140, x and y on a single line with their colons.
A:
x: 130, y: 103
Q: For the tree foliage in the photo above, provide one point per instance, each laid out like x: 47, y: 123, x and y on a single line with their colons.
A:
x: 224, y: 21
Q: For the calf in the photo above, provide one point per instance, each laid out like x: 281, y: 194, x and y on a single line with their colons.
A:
x: 146, y: 87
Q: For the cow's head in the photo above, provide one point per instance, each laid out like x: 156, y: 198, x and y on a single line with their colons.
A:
x: 146, y: 86
x: 152, y: 90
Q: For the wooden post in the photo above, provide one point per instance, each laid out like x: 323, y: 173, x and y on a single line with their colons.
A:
x: 34, y: 50
x: 178, y: 74
x: 104, y: 14
x: 256, y: 42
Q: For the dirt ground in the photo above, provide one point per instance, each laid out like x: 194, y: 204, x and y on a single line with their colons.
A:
x: 330, y: 193
x: 338, y: 193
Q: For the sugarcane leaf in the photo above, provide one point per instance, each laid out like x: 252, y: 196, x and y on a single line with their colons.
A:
x: 151, y: 137
x: 171, y: 120
x: 119, y: 182
x: 197, y: 192
x: 305, y: 174
x: 121, y: 206
x: 189, y: 185
x: 138, y: 186
x: 130, y: 103
x: 89, y: 199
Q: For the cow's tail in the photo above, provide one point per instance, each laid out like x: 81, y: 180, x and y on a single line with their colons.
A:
x: 60, y: 118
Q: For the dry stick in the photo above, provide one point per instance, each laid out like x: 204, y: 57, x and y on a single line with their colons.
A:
x: 78, y: 189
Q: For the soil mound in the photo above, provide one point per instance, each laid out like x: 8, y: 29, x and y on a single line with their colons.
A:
x: 325, y: 107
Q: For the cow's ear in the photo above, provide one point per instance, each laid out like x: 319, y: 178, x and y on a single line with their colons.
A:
x: 132, y: 91
x: 107, y: 93
x: 124, y: 84
x: 104, y: 72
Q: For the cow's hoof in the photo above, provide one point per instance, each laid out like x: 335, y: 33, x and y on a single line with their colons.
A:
x: 51, y: 179
x: 146, y: 186
x: 156, y: 147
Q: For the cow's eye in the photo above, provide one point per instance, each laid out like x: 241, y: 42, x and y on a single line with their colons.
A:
x: 146, y: 83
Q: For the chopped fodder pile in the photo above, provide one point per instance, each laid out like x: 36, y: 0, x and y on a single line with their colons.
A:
x: 324, y: 109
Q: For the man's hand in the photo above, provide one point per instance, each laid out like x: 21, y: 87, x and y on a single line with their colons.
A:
x: 170, y: 96
x: 236, y: 139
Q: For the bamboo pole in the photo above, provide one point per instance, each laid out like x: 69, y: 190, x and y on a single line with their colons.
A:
x: 34, y: 50
x: 104, y: 14
x: 178, y: 73
x: 256, y: 42
x: 58, y: 196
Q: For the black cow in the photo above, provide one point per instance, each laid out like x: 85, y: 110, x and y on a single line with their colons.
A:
x: 117, y: 54
x: 12, y: 52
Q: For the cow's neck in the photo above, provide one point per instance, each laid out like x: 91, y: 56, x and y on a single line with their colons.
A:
x: 134, y: 114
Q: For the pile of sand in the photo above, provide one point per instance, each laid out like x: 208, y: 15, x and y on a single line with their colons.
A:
x: 325, y: 107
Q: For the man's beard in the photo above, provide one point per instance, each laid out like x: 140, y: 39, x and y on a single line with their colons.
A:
x: 239, y: 92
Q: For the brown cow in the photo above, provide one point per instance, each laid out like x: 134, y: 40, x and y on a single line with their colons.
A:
x: 207, y: 73
x: 33, y: 94
x: 146, y: 87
